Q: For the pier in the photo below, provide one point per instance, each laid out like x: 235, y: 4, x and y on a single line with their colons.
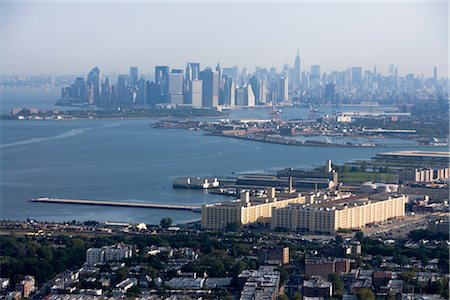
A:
x: 194, y: 208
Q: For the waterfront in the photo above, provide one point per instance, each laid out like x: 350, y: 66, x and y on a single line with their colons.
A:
x: 129, y: 161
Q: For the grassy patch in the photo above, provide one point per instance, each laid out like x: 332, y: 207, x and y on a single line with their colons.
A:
x: 359, y: 177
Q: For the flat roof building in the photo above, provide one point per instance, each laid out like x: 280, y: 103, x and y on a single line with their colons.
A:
x: 326, y: 217
x: 246, y: 210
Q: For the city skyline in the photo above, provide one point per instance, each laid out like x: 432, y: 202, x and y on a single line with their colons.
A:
x: 150, y: 34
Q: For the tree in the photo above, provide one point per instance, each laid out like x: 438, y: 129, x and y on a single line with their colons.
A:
x: 134, y: 291
x: 338, y: 285
x: 166, y: 223
x: 235, y: 226
x: 296, y: 296
x: 365, y: 294
x: 359, y: 236
x: 283, y: 297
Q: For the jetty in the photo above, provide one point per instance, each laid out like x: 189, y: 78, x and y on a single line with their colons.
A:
x: 194, y: 208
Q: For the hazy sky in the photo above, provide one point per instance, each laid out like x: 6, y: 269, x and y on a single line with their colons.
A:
x: 72, y: 37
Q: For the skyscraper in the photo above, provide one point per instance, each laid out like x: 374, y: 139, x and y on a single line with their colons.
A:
x: 210, y: 87
x: 330, y: 92
x: 356, y: 76
x: 245, y: 96
x: 255, y: 84
x: 435, y: 75
x: 297, y: 70
x: 122, y: 89
x: 175, y: 87
x: 161, y: 79
x: 195, y: 93
x: 228, y: 91
x: 194, y: 70
x: 95, y: 79
x: 142, y: 91
x: 315, y: 72
x: 283, y: 86
x: 134, y: 76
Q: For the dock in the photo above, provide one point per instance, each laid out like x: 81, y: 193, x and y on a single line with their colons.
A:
x: 194, y: 208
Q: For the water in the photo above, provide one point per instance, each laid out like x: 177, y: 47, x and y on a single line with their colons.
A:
x: 32, y: 97
x: 130, y: 161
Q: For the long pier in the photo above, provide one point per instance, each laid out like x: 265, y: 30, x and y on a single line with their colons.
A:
x: 194, y: 208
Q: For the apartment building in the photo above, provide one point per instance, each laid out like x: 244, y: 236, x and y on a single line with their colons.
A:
x: 326, y: 217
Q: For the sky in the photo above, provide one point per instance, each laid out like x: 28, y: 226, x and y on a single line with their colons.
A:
x: 72, y: 37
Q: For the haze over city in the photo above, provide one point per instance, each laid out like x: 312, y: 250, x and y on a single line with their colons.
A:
x: 77, y: 36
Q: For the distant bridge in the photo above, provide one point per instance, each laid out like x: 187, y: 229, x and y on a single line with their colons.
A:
x: 194, y: 208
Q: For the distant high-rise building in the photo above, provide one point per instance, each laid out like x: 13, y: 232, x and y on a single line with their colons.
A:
x: 161, y: 79
x: 228, y: 91
x: 195, y: 93
x: 142, y: 91
x: 255, y: 83
x: 175, y: 87
x: 95, y: 79
x: 435, y: 75
x: 263, y: 92
x: 153, y: 93
x: 195, y: 70
x: 79, y: 90
x: 210, y: 87
x: 244, y: 96
x: 297, y: 70
x: 315, y: 72
x: 283, y: 89
x: 123, y: 95
x: 356, y: 76
x: 134, y: 76
x: 107, y: 93
x: 330, y: 92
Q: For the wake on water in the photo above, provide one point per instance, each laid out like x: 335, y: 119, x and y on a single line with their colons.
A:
x: 63, y: 135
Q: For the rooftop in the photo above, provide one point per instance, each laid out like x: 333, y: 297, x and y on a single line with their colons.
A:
x: 416, y: 153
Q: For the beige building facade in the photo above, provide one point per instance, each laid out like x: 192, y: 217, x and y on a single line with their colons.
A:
x: 328, y: 217
x: 245, y: 210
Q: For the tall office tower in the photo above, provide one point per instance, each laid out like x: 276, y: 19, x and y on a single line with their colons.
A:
x: 142, y: 91
x: 194, y: 94
x: 263, y: 92
x: 356, y: 76
x: 90, y: 93
x: 188, y: 72
x: 95, y: 78
x: 283, y: 85
x: 229, y: 72
x: 243, y: 78
x: 161, y: 79
x: 195, y: 70
x: 210, y: 87
x: 244, y: 96
x: 255, y: 83
x: 153, y: 93
x: 134, y: 76
x: 435, y: 75
x: 297, y: 70
x: 330, y: 92
x: 79, y: 90
x: 106, y: 97
x: 175, y: 87
x: 315, y: 72
x: 123, y: 95
x: 228, y: 91
x: 219, y: 70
